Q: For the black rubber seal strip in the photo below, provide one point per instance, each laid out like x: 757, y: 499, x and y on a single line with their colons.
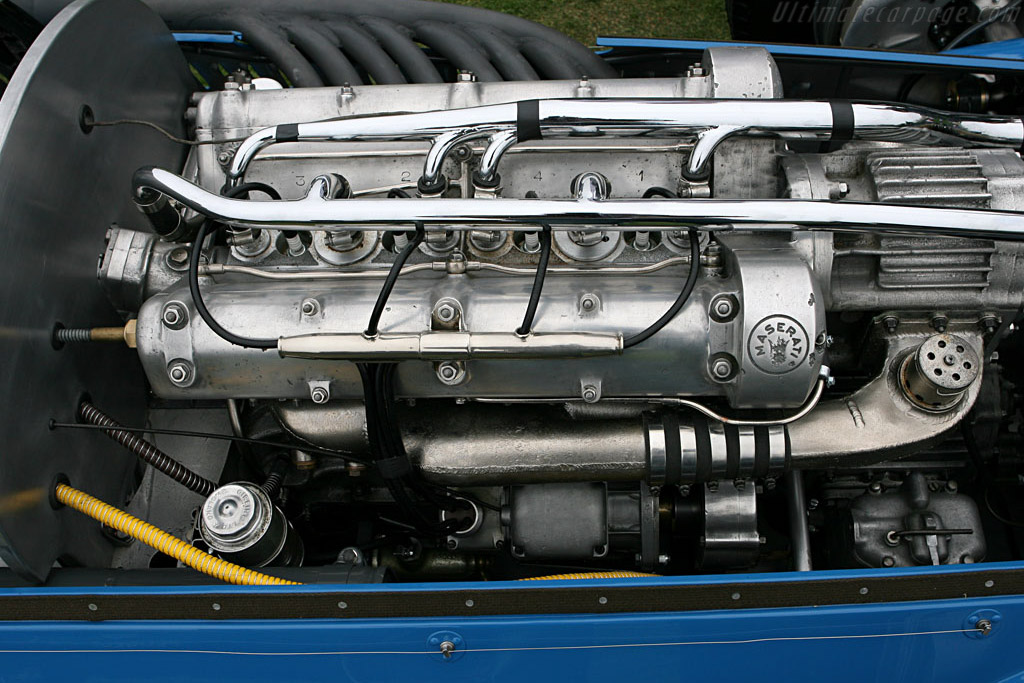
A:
x: 700, y: 427
x: 287, y: 132
x: 843, y: 124
x: 528, y: 120
x: 437, y: 603
x: 673, y: 450
x: 732, y: 452
x: 762, y: 452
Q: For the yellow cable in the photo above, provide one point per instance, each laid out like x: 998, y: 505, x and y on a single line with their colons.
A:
x: 163, y: 541
x: 592, y: 575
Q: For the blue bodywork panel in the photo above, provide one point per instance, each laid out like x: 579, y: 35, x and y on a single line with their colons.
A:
x: 987, y: 57
x: 917, y: 641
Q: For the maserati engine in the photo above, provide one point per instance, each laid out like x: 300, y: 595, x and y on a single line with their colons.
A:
x: 484, y: 329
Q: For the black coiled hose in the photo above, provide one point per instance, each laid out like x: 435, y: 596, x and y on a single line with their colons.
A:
x: 146, y: 451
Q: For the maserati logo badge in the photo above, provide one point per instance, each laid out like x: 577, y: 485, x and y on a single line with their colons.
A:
x: 777, y: 344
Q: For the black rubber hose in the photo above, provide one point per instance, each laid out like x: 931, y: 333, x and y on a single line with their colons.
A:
x: 389, y: 282
x: 193, y: 274
x: 325, y: 54
x: 684, y: 295
x: 660, y: 192
x: 410, y: 57
x: 269, y: 40
x: 365, y: 50
x: 146, y: 451
x: 538, y: 282
x: 549, y: 61
x: 457, y: 48
x: 503, y: 53
x: 198, y: 14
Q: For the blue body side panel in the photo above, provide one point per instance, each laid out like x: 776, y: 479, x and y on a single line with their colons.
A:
x: 982, y: 57
x: 919, y: 641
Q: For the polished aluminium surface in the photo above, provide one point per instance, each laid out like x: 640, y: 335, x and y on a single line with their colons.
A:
x: 60, y: 189
x: 712, y: 121
x: 583, y: 310
x: 316, y: 212
x: 449, y: 346
x: 877, y: 421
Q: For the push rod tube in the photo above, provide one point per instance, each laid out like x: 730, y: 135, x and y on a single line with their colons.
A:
x: 318, y: 212
x: 712, y: 121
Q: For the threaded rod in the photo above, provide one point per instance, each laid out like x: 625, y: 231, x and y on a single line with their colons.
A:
x: 146, y: 451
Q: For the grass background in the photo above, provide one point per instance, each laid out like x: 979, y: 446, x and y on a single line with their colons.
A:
x: 584, y: 20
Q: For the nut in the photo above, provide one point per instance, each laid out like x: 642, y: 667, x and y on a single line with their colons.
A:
x: 175, y: 316
x: 180, y: 372
x: 724, y: 308
x: 445, y: 313
x: 451, y: 372
x: 310, y: 307
x: 721, y: 369
x: 320, y: 395
x: 591, y: 394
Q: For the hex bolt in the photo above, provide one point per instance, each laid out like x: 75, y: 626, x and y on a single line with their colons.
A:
x: 721, y: 369
x: 940, y: 323
x: 447, y: 648
x: 888, y: 561
x: 320, y: 395
x: 310, y: 307
x: 591, y: 393
x: 180, y: 372
x: 462, y: 153
x: 875, y: 487
x: 890, y: 322
x: 989, y: 323
x: 723, y: 308
x: 178, y: 257
x: 224, y: 158
x: 589, y: 303
x: 175, y: 316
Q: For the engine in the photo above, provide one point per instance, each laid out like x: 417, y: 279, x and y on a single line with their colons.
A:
x: 485, y: 329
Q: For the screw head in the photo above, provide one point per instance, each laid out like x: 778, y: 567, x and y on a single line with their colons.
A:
x: 319, y: 395
x: 591, y: 393
x: 224, y: 158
